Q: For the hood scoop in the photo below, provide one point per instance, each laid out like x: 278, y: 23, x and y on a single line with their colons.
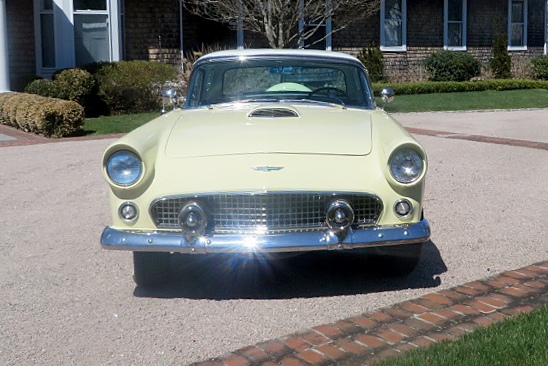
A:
x: 273, y: 112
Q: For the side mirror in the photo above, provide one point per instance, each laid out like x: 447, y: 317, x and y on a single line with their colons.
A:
x: 169, y: 96
x: 387, y: 96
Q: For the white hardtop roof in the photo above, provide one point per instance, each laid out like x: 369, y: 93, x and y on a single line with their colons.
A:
x: 278, y: 52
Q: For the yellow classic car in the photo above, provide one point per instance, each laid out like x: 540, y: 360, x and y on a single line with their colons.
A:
x: 273, y: 151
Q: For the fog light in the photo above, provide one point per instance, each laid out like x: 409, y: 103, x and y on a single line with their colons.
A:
x: 128, y: 211
x: 403, y: 208
x: 193, y: 219
x: 340, y: 215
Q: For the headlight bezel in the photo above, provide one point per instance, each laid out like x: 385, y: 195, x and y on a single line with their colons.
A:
x: 108, y: 169
x: 410, y: 150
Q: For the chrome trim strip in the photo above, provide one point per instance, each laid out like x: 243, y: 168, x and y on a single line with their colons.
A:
x: 295, y: 242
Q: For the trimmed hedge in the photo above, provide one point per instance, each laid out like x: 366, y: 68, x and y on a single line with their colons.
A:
x: 132, y: 86
x: 459, y: 86
x: 452, y: 66
x: 45, y: 116
x: 110, y: 87
x: 70, y: 84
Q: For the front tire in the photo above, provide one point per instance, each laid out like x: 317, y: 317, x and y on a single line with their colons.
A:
x: 398, y: 260
x: 150, y: 268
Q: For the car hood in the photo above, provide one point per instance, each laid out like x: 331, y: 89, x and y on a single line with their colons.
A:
x: 233, y: 130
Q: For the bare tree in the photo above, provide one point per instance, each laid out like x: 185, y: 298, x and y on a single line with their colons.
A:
x: 278, y: 20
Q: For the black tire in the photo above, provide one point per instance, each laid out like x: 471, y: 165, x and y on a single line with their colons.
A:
x: 150, y: 268
x: 398, y: 260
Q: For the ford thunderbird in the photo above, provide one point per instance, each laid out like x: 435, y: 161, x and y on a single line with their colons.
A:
x: 272, y: 151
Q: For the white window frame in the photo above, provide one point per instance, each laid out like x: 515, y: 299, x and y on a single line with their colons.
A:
x: 63, y: 26
x: 446, y: 22
x: 328, y: 25
x: 525, y: 25
x: 403, y: 47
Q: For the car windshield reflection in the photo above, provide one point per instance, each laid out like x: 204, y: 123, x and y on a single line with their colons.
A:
x: 312, y: 81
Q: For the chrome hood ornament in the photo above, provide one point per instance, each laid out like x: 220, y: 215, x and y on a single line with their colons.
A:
x: 267, y: 168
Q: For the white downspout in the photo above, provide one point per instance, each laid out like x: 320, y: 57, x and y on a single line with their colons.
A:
x: 4, y: 56
x: 240, y: 28
x: 546, y: 28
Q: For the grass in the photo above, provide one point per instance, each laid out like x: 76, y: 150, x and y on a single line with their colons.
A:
x: 517, y: 341
x: 116, y: 124
x: 490, y: 99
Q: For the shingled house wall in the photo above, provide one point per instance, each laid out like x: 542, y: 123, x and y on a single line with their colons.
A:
x: 425, y: 34
x: 20, y: 24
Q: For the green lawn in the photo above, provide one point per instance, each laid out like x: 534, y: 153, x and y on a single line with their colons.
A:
x: 517, y: 341
x: 116, y: 124
x: 490, y: 99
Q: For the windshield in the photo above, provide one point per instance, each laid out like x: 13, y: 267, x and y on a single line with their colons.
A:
x: 295, y: 80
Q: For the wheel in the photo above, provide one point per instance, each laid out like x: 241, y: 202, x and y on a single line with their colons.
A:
x: 398, y: 260
x: 150, y: 268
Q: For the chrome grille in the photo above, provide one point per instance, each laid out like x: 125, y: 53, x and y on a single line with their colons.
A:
x: 270, y: 212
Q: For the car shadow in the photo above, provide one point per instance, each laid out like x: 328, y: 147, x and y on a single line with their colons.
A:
x: 315, y: 274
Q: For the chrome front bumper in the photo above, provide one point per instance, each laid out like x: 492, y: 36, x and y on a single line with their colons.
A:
x: 242, y: 243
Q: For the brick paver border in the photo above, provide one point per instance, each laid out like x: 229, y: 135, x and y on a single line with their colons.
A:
x: 480, y: 138
x: 25, y: 138
x: 369, y: 338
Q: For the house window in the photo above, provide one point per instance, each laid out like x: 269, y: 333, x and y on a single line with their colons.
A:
x: 48, y: 36
x: 517, y: 24
x: 91, y: 36
x: 454, y: 27
x: 73, y: 33
x: 393, y: 25
x: 321, y: 38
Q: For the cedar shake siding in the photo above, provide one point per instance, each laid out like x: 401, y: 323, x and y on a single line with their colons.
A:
x: 20, y: 24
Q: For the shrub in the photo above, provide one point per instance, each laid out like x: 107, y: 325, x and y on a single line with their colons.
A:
x: 452, y: 66
x: 501, y: 64
x: 46, y: 116
x: 540, y: 67
x: 132, y: 86
x: 43, y: 87
x: 371, y: 56
x: 75, y: 84
x: 454, y: 86
x: 70, y: 84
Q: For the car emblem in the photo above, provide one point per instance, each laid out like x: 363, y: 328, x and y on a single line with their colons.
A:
x: 267, y: 168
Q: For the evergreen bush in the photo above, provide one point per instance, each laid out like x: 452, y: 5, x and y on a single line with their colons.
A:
x: 501, y: 64
x: 452, y: 66
x: 371, y: 56
x: 132, y: 86
x: 540, y: 67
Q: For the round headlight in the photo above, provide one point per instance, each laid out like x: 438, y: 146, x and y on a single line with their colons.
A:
x: 406, y: 166
x: 124, y: 168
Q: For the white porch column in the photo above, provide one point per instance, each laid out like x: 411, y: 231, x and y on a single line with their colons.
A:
x: 115, y: 17
x: 4, y: 56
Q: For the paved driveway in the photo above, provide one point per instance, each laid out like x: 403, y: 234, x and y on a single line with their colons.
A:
x: 63, y: 300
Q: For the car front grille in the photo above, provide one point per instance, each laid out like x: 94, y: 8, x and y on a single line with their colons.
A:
x: 265, y: 212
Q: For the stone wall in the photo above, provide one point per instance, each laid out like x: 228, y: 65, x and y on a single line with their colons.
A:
x: 20, y: 19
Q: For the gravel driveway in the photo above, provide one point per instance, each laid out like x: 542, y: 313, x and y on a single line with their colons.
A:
x: 63, y: 300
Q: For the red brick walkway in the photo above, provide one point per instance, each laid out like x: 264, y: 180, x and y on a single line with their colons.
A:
x: 369, y: 338
x: 25, y: 138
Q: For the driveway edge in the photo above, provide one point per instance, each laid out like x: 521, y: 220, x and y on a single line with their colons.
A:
x: 369, y: 338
